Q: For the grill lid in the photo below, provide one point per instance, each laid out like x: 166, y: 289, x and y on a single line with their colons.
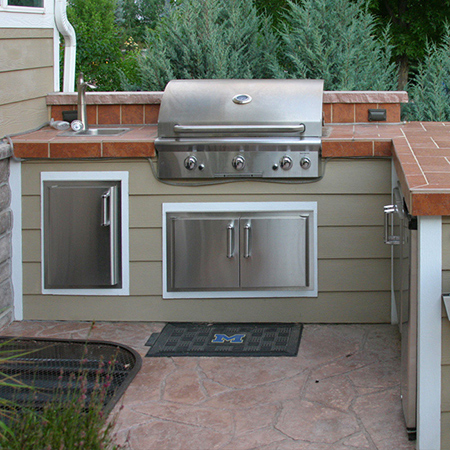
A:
x: 207, y: 108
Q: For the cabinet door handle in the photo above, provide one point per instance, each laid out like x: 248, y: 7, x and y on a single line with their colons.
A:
x: 230, y: 240
x: 109, y: 219
x: 247, y: 240
x: 389, y: 211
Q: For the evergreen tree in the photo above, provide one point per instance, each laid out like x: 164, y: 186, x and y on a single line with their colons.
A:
x: 208, y: 39
x: 334, y: 40
x: 412, y: 23
x: 429, y: 93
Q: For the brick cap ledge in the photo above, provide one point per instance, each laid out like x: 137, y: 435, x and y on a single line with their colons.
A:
x: 130, y: 98
x: 106, y: 98
x: 365, y: 97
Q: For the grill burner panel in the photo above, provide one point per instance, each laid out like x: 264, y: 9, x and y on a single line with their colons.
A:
x: 256, y: 164
x: 240, y: 128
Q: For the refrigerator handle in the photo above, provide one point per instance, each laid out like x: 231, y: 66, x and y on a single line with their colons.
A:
x: 389, y: 211
x: 106, y: 204
x: 109, y: 219
x: 247, y: 228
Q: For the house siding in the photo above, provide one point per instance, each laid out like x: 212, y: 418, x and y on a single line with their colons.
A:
x: 26, y: 77
x: 353, y: 266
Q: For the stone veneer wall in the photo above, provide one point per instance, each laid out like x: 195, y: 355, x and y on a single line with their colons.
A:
x: 6, y: 287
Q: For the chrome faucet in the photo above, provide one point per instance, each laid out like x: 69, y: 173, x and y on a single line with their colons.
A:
x: 81, y: 88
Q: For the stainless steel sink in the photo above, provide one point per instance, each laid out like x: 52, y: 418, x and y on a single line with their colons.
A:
x: 97, y: 132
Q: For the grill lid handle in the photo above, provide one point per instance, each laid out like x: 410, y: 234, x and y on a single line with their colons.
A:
x: 300, y: 128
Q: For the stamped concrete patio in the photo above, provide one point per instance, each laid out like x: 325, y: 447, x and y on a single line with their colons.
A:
x: 340, y: 393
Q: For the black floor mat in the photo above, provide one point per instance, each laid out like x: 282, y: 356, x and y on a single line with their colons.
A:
x: 226, y: 339
x: 53, y: 366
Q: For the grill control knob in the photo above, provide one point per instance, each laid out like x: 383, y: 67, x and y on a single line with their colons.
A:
x: 305, y: 163
x: 286, y: 162
x: 238, y: 162
x: 190, y: 162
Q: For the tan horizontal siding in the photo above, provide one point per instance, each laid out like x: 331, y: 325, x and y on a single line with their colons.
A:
x: 353, y: 266
x: 23, y: 85
x: 341, y: 177
x: 445, y: 431
x: 334, y: 276
x: 24, y: 33
x: 23, y: 54
x: 26, y: 77
x: 352, y: 242
x: 343, y: 307
x: 22, y: 116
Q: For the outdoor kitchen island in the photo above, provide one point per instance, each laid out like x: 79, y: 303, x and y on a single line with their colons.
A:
x: 353, y: 264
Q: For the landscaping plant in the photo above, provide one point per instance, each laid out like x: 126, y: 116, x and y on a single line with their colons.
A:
x: 208, y: 39
x: 335, y: 40
x: 72, y: 418
x: 429, y: 93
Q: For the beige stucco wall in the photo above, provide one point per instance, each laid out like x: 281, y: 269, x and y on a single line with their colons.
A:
x: 354, y: 274
x: 26, y: 77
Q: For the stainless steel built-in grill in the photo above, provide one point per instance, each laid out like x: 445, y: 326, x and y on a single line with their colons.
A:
x: 240, y: 128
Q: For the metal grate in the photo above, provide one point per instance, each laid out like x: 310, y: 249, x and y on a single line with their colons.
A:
x: 37, y: 369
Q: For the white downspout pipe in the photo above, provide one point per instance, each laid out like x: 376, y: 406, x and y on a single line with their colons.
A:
x: 70, y: 45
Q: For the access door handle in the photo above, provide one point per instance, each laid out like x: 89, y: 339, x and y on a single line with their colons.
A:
x: 247, y: 229
x: 106, y: 209
x: 389, y: 211
x: 230, y: 240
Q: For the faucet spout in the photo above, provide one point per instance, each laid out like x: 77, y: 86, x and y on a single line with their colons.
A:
x: 82, y: 112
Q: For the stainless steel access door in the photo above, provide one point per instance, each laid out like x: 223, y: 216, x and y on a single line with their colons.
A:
x: 274, y: 251
x: 81, y: 234
x: 203, y: 252
x: 221, y: 251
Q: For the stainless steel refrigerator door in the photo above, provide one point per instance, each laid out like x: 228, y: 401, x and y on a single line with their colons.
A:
x: 81, y: 235
x: 274, y: 251
x: 203, y: 253
x: 408, y: 324
x: 401, y: 234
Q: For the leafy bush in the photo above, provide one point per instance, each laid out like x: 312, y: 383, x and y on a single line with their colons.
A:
x: 208, y: 39
x: 429, y: 92
x: 99, y: 54
x: 334, y: 40
x: 134, y: 16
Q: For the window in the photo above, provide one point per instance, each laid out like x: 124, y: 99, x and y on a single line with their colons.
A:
x: 28, y: 3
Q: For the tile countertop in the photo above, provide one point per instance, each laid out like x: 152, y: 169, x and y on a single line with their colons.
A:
x: 421, y: 153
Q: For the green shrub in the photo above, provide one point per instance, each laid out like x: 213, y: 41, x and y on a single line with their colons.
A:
x: 99, y: 54
x: 429, y: 92
x: 208, y: 39
x: 334, y: 40
x: 64, y: 424
x: 72, y: 417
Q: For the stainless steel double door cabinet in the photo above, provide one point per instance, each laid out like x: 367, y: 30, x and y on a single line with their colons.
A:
x: 81, y: 234
x: 223, y: 251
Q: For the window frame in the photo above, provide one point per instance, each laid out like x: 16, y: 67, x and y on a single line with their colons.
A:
x: 4, y: 5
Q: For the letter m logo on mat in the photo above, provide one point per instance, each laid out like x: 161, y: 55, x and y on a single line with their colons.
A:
x: 223, y: 338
